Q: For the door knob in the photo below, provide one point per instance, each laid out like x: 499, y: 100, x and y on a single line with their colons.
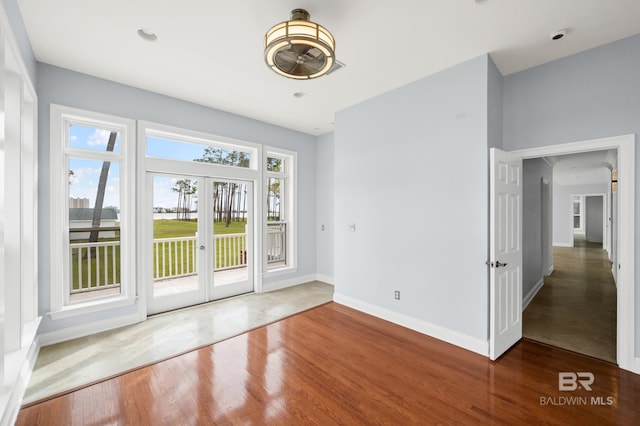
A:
x: 498, y: 264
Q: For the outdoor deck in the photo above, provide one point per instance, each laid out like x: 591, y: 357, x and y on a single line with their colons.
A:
x: 165, y: 287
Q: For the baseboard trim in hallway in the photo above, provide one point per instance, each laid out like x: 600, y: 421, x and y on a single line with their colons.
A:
x: 532, y: 293
x: 76, y: 364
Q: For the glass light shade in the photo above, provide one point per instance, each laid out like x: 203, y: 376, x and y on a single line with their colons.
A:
x: 299, y: 48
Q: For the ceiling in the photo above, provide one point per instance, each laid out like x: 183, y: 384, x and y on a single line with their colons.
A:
x: 211, y: 52
x: 584, y: 168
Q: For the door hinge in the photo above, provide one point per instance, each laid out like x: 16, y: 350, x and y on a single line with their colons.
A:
x: 489, y: 263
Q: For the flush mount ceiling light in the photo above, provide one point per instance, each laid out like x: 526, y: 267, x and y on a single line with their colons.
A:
x: 299, y: 48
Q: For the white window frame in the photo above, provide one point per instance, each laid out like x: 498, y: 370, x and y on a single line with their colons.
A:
x: 580, y: 214
x: 289, y: 210
x: 61, y: 117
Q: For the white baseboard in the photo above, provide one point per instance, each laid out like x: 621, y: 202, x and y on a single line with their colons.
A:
x: 550, y: 271
x: 18, y: 367
x: 532, y: 293
x: 64, y: 334
x: 472, y: 344
x: 277, y: 285
x: 562, y: 245
x: 636, y: 367
x: 325, y: 279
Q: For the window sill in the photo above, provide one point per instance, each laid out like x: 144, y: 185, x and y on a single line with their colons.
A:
x: 91, y: 307
x: 280, y: 271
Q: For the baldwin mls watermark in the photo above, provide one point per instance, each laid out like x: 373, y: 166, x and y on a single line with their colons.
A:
x: 569, y: 381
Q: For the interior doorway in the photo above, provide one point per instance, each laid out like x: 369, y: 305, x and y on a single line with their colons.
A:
x: 623, y: 247
x: 574, y: 306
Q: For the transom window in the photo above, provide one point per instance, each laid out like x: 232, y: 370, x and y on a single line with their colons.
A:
x: 184, y: 148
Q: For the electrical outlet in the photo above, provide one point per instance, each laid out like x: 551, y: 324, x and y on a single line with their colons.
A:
x: 396, y: 294
x: 322, y: 227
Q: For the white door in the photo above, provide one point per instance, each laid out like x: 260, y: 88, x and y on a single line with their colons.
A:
x: 202, y: 239
x: 505, y: 250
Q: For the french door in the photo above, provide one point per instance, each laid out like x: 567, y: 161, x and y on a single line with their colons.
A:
x: 202, y: 240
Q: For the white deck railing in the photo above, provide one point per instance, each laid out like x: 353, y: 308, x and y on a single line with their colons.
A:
x: 172, y: 258
x: 231, y: 251
x: 96, y: 272
x: 276, y: 242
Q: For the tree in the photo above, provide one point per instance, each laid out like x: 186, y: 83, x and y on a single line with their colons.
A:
x: 102, y: 185
x: 226, y: 196
x: 185, y: 189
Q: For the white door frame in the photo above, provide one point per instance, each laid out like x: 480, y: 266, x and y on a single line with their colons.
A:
x: 625, y: 145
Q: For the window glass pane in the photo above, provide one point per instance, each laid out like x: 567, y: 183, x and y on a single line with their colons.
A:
x: 576, y: 208
x: 275, y: 189
x: 188, y: 151
x: 94, y: 203
x: 576, y: 222
x: 94, y: 139
x: 275, y: 164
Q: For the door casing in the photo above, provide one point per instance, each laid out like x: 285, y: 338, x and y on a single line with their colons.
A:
x: 625, y: 232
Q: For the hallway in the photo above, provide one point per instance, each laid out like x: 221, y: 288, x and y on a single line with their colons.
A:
x: 576, y: 307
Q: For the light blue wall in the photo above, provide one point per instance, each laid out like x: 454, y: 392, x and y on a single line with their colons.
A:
x: 563, y: 207
x: 411, y: 174
x: 495, y: 116
x: 326, y: 204
x: 64, y: 87
x: 590, y: 95
x: 20, y: 33
x: 533, y: 171
x: 593, y: 218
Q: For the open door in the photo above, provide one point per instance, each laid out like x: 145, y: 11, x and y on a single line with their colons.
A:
x: 505, y: 250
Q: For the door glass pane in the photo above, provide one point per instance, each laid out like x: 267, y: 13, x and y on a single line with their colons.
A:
x: 230, y: 216
x: 175, y: 227
x: 94, y: 229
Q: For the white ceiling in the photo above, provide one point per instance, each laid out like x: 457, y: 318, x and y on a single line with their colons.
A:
x: 211, y: 52
x: 584, y: 168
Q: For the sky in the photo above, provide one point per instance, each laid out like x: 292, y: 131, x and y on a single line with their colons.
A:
x: 86, y: 173
x: 83, y: 182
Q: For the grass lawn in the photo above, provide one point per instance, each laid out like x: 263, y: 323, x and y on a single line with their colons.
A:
x: 169, y: 228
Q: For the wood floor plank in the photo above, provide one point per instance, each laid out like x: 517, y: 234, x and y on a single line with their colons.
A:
x: 576, y: 309
x: 334, y: 365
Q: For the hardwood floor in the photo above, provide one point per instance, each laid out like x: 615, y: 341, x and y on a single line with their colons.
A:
x: 576, y: 307
x: 335, y: 365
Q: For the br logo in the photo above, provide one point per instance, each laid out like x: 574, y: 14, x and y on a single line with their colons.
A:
x: 570, y: 381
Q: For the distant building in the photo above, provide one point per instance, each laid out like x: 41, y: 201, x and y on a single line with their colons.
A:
x: 78, y: 203
x: 83, y: 217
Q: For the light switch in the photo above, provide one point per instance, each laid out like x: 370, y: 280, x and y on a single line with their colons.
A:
x: 352, y: 227
x: 322, y: 227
